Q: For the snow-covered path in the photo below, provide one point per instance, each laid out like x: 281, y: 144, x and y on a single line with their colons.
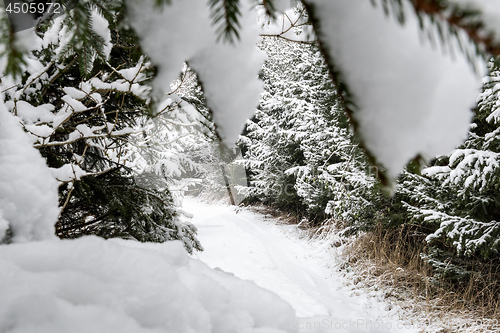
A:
x: 275, y: 257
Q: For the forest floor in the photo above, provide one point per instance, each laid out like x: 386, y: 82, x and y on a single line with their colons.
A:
x: 283, y: 259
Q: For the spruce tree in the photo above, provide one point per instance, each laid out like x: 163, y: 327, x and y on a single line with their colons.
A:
x: 83, y: 94
x: 457, y: 197
x: 300, y: 152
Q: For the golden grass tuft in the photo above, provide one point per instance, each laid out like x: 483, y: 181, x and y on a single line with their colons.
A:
x: 390, y: 259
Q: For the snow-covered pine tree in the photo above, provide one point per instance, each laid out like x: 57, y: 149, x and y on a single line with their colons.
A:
x: 272, y: 144
x: 174, y: 145
x: 204, y: 152
x: 300, y: 152
x: 458, y: 195
x: 81, y: 96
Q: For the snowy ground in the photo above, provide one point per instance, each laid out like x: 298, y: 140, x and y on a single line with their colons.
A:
x: 91, y: 284
x: 280, y: 259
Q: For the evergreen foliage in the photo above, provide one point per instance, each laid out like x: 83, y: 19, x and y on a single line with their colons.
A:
x: 300, y: 153
x: 457, y: 197
x: 12, y: 52
x: 225, y: 15
x: 174, y: 146
x: 81, y: 98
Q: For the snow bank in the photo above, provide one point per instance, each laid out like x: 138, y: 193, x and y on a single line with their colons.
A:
x: 412, y: 97
x: 183, y: 31
x: 96, y: 285
x: 28, y: 192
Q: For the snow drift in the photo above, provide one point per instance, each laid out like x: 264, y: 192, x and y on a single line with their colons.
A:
x: 96, y: 285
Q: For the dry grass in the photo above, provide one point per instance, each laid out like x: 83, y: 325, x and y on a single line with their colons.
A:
x: 390, y: 260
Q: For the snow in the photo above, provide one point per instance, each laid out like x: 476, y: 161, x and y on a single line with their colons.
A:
x: 412, y: 98
x: 255, y: 255
x: 67, y: 173
x: 228, y: 72
x: 39, y: 131
x: 96, y: 285
x: 435, y: 171
x: 51, y: 36
x: 28, y: 192
x: 122, y: 84
x: 33, y: 114
x: 134, y: 74
x: 74, y: 93
x: 100, y: 26
x: 281, y: 259
x: 77, y: 106
x: 27, y: 40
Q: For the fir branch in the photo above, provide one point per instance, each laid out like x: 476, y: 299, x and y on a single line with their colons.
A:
x: 161, y: 3
x: 392, y: 7
x: 225, y: 14
x: 61, y: 231
x: 88, y: 137
x: 85, y: 42
x: 269, y: 8
x: 16, y: 60
x: 460, y: 18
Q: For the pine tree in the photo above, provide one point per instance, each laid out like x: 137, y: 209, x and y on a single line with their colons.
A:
x: 300, y: 152
x: 174, y: 144
x: 458, y: 195
x: 81, y: 97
